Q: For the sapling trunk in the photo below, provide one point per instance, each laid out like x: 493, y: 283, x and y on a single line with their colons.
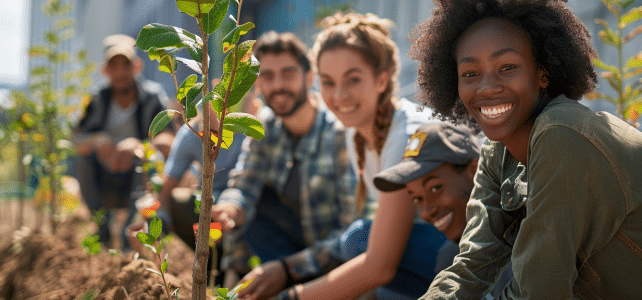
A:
x: 156, y: 37
x: 199, y: 269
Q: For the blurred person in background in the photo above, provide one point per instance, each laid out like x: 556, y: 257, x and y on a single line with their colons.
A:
x: 112, y: 130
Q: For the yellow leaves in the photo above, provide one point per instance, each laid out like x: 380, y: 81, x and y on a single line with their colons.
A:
x: 68, y: 196
x: 38, y: 138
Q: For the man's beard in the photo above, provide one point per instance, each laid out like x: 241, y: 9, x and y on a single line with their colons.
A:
x: 131, y: 87
x: 299, y: 99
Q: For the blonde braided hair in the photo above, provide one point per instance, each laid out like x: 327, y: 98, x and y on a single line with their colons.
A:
x: 369, y: 35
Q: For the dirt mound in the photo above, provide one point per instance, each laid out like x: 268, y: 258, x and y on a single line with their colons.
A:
x: 42, y: 266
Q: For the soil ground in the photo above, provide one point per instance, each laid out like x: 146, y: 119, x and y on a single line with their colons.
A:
x: 39, y: 265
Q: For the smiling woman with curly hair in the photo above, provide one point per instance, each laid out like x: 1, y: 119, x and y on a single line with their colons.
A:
x: 558, y: 190
x: 561, y: 44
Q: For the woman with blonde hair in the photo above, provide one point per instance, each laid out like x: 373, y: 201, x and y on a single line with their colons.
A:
x: 358, y: 64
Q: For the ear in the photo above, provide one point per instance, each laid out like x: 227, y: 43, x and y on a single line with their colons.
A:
x: 138, y: 65
x: 309, y: 79
x: 471, y: 169
x: 382, y: 81
x: 542, y: 75
x: 104, y: 70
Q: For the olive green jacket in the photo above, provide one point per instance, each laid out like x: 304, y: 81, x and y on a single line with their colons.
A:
x: 570, y: 221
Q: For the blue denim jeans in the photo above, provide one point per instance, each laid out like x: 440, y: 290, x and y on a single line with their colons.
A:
x: 275, y: 231
x: 428, y: 251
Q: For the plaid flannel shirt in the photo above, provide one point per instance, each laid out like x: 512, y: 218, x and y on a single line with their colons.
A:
x: 327, y: 185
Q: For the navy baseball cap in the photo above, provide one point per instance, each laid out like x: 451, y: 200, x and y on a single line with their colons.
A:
x: 431, y: 146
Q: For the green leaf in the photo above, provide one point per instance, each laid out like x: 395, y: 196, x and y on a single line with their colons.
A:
x: 81, y: 56
x: 630, y: 94
x: 70, y: 90
x: 232, y: 38
x: 154, y: 271
x: 610, y: 4
x: 626, y: 3
x: 91, y: 244
x: 248, y: 77
x: 156, y: 227
x: 64, y: 23
x: 607, y: 35
x: 195, y: 50
x: 242, y: 57
x: 52, y: 38
x: 222, y: 292
x: 187, y: 84
x: 630, y: 17
x: 38, y: 50
x: 164, y: 264
x: 632, y: 74
x: 244, y: 123
x: 166, y: 58
x: 162, y: 36
x: 160, y: 246
x: 600, y: 64
x: 191, y: 7
x: 151, y: 247
x: 634, y: 62
x: 192, y: 64
x: 160, y: 121
x: 59, y: 58
x: 145, y: 238
x: 245, y: 77
x: 254, y: 261
x: 213, y: 19
x: 190, y: 100
x: 215, y: 99
x: 40, y: 71
x: 167, y: 64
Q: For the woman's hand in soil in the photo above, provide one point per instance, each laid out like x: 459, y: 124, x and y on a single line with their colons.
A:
x: 269, y: 279
x: 228, y: 214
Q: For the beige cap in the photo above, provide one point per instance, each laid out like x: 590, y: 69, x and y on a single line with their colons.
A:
x: 119, y: 44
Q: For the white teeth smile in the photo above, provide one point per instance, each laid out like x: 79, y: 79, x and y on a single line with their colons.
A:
x: 494, y: 111
x: 347, y: 109
x: 444, y: 221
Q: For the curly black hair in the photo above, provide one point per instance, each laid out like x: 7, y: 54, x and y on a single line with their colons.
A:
x: 560, y: 42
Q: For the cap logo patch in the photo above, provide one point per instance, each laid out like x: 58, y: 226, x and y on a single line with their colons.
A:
x: 415, y: 143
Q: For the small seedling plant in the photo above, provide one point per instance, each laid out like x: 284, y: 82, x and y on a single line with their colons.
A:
x: 240, y: 70
x: 18, y: 131
x: 625, y: 78
x: 150, y: 240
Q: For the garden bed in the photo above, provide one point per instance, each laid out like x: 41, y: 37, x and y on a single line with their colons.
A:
x: 45, y: 266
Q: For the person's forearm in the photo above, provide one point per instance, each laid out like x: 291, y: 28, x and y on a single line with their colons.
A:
x: 378, y: 265
x: 169, y: 184
x: 84, y: 143
x: 348, y: 281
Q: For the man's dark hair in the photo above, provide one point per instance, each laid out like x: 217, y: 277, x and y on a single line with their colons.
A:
x: 560, y: 42
x: 276, y: 43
